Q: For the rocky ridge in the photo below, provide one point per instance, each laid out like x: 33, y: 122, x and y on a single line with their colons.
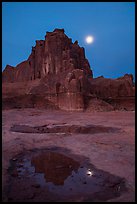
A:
x: 58, y: 75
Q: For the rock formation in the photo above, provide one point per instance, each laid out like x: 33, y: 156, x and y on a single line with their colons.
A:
x: 54, y: 55
x: 105, y: 87
x: 57, y: 75
x: 119, y: 92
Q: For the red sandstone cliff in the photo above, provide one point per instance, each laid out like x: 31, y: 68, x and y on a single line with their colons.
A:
x: 54, y: 55
x: 57, y: 75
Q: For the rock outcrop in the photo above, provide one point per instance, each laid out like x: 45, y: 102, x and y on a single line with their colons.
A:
x: 54, y: 55
x: 58, y: 75
x: 105, y: 87
x: 8, y: 74
x: 119, y: 93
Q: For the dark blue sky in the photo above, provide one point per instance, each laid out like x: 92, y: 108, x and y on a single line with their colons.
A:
x: 111, y: 23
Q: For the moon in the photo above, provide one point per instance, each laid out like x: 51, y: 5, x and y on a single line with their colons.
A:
x: 89, y: 39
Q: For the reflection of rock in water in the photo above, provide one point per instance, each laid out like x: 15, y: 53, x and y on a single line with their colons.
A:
x: 56, y: 167
x: 53, y: 176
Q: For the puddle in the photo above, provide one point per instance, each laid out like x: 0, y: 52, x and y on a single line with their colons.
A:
x: 60, y: 177
x: 63, y: 128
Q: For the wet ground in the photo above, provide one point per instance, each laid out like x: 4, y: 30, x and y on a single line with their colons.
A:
x: 63, y: 128
x: 59, y: 156
x: 63, y: 176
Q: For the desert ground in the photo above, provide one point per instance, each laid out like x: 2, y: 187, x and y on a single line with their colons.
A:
x: 102, y: 140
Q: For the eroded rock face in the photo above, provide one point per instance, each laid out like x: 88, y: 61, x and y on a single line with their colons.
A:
x: 61, y: 67
x: 57, y: 75
x: 120, y: 87
x: 119, y: 93
x: 8, y: 74
x: 54, y: 55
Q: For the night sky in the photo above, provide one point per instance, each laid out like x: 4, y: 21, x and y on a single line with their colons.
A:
x: 112, y: 54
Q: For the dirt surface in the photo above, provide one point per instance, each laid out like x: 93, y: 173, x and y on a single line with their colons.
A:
x: 105, y: 142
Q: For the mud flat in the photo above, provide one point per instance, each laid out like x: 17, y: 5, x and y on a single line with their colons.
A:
x: 68, y: 156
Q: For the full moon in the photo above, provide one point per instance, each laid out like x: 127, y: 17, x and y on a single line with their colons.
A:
x: 89, y: 39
